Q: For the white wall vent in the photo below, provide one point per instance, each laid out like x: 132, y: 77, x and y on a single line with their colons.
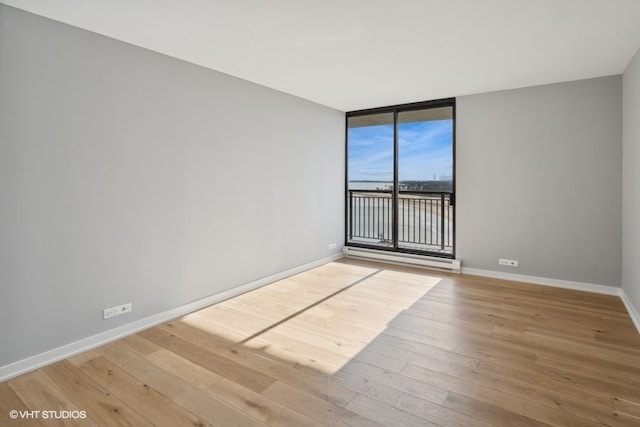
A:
x: 444, y: 264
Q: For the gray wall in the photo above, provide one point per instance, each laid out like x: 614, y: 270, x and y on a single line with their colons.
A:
x: 631, y: 182
x: 129, y: 176
x: 539, y: 180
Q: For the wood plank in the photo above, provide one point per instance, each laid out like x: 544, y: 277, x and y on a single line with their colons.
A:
x: 620, y: 339
x: 497, y: 350
x: 425, y: 337
x: 152, y: 405
x: 140, y: 345
x: 245, y: 323
x: 259, y: 406
x: 387, y: 363
x: 422, y: 359
x: 495, y: 388
x: 550, y: 301
x: 320, y: 410
x: 215, y: 329
x: 431, y: 352
x: 351, y: 327
x: 593, y: 400
x: 472, y: 388
x: 79, y: 359
x: 9, y: 401
x: 452, y: 327
x: 431, y: 412
x: 223, y: 366
x: 227, y: 391
x: 571, y: 348
x: 391, y: 388
x: 294, y: 350
x: 100, y: 405
x: 488, y: 412
x: 627, y: 407
x: 181, y: 392
x: 337, y: 345
x: 288, y: 372
x: 596, y: 371
x: 190, y: 372
x: 385, y: 414
x: 40, y: 394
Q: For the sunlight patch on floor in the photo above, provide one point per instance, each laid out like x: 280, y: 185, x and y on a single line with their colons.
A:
x: 319, y: 319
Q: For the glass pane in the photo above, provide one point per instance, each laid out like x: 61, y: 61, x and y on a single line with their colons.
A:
x: 425, y: 179
x: 370, y: 179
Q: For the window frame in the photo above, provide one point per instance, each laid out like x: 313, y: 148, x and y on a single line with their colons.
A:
x: 396, y: 109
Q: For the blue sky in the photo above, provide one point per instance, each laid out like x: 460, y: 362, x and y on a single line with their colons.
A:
x: 425, y: 150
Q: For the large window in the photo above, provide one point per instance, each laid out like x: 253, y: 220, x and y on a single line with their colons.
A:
x: 400, y: 178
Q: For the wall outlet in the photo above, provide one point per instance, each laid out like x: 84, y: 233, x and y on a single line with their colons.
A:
x: 508, y: 262
x: 332, y: 246
x: 117, y: 311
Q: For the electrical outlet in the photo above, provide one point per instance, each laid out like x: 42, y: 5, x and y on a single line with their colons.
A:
x: 332, y: 246
x: 508, y: 262
x: 117, y: 311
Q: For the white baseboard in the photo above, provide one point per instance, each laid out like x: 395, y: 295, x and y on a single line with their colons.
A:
x: 633, y: 313
x: 68, y: 350
x: 556, y: 283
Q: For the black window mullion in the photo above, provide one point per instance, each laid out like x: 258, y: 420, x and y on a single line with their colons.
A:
x: 396, y: 189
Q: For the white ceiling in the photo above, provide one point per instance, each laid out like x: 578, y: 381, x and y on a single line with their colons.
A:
x: 355, y: 54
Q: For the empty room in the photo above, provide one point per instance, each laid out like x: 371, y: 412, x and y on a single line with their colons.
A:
x: 288, y: 213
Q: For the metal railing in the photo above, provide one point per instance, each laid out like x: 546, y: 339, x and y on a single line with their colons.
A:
x: 424, y: 219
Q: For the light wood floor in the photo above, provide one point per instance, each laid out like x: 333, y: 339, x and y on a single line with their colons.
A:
x: 358, y: 344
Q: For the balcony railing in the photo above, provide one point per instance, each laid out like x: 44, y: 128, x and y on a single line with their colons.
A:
x: 425, y: 219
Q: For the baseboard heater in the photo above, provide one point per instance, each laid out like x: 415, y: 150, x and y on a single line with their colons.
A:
x: 444, y: 264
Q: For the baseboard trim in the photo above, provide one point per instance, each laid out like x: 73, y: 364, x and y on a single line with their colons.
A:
x: 556, y: 283
x: 60, y: 353
x: 633, y: 313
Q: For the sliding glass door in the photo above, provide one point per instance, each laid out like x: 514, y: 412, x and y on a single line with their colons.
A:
x: 371, y: 178
x: 400, y: 178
